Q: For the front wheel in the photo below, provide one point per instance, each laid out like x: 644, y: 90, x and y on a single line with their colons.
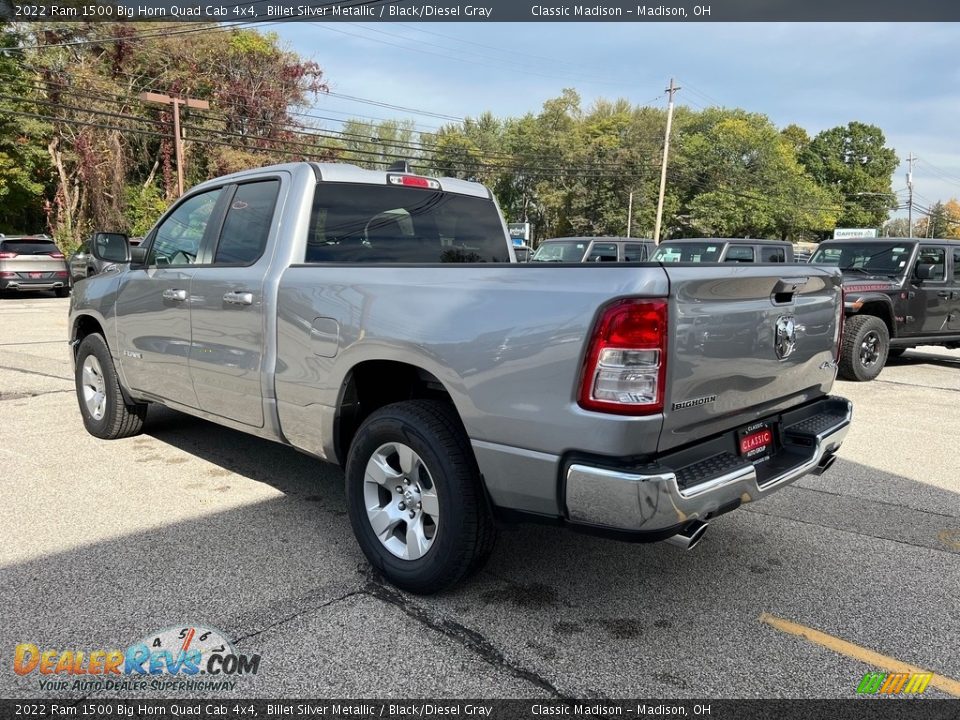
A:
x: 105, y: 413
x: 863, y: 352
x: 415, y: 497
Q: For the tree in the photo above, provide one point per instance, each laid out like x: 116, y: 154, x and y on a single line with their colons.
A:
x: 897, y: 227
x: 24, y: 171
x: 854, y: 161
x: 741, y: 177
x: 110, y: 156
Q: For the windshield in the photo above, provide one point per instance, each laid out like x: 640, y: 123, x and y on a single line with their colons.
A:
x: 567, y: 251
x: 688, y: 252
x: 867, y: 257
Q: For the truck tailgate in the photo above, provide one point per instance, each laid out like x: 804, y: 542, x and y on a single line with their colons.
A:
x: 745, y: 341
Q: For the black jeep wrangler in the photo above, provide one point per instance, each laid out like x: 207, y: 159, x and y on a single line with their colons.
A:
x: 897, y: 293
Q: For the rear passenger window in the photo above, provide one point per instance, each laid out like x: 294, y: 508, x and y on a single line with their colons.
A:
x: 603, y: 252
x: 634, y: 252
x: 739, y: 253
x: 956, y: 264
x: 247, y: 225
x: 772, y: 255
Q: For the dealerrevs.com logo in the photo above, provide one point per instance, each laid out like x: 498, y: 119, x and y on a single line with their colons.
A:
x: 181, y: 658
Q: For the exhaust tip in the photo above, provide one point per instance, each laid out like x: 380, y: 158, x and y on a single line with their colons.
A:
x: 825, y: 464
x: 690, y: 537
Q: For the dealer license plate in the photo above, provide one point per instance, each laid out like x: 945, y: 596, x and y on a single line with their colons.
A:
x: 756, y: 441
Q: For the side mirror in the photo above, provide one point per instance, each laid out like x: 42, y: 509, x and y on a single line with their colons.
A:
x: 110, y: 247
x: 924, y: 272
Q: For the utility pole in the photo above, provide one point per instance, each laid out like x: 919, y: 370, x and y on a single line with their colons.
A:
x: 910, y: 160
x: 663, y: 164
x: 177, y: 102
x: 629, y: 213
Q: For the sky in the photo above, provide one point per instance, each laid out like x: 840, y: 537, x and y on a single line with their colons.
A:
x: 904, y: 78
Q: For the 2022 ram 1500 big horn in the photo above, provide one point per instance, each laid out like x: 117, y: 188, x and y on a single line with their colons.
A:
x: 374, y: 319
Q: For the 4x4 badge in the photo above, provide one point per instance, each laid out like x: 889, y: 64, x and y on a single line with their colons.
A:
x: 785, y: 339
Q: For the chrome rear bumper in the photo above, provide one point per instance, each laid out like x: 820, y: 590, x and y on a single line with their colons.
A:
x: 655, y: 501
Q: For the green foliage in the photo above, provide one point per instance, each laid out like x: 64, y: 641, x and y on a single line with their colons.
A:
x: 855, y: 161
x: 144, y: 206
x: 24, y: 175
x: 108, y: 161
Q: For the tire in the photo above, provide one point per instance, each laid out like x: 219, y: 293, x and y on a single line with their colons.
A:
x: 863, y: 351
x: 104, y: 412
x: 895, y: 352
x: 414, y: 458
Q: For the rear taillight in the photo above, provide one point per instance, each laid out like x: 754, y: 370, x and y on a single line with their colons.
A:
x: 61, y: 273
x: 8, y: 274
x: 626, y: 359
x: 7, y: 255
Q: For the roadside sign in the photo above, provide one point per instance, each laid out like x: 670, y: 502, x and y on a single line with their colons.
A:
x: 519, y: 233
x: 847, y: 233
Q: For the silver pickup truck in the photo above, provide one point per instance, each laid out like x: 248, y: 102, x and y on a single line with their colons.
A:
x: 375, y: 320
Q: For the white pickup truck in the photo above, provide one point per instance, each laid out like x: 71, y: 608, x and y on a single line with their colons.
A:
x: 375, y: 320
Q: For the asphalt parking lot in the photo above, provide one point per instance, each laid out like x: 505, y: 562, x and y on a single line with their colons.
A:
x: 190, y: 523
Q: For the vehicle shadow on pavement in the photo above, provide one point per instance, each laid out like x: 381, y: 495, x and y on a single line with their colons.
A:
x: 289, y: 471
x: 913, y: 358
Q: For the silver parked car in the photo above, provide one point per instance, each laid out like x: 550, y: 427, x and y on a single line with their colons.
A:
x: 33, y: 263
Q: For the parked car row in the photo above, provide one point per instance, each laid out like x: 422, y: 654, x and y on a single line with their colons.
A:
x: 620, y: 249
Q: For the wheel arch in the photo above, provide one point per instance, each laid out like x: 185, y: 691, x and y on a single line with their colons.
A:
x: 878, y: 306
x: 374, y: 383
x: 83, y: 325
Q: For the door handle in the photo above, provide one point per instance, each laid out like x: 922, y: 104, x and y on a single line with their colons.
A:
x: 174, y: 294
x: 238, y: 298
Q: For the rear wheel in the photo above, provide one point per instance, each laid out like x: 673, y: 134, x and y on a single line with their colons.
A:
x: 104, y: 412
x: 415, y: 497
x: 863, y: 352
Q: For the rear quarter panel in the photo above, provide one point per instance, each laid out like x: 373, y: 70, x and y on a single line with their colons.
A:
x: 506, y: 341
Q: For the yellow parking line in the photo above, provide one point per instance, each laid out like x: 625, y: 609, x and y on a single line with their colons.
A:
x: 869, y: 657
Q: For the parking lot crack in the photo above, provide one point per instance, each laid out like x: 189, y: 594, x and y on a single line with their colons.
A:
x: 293, y: 616
x: 853, y: 532
x: 34, y: 372
x: 898, y: 506
x: 462, y: 635
x: 916, y: 385
x: 24, y: 395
